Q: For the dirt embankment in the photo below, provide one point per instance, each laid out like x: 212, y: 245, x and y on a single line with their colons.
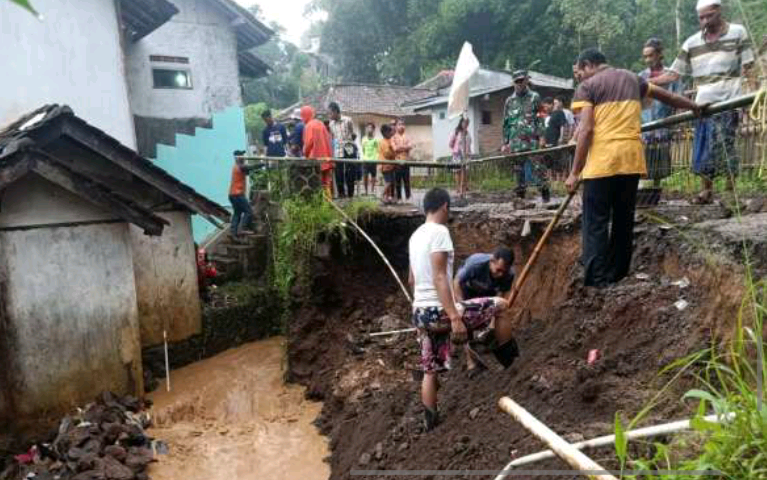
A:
x: 372, y: 411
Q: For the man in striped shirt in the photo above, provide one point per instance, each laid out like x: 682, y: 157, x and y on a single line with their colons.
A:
x: 718, y: 58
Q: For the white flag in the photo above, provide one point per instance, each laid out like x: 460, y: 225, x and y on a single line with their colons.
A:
x: 466, y: 67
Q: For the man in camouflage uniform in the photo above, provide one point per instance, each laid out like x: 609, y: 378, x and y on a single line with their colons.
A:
x: 523, y: 131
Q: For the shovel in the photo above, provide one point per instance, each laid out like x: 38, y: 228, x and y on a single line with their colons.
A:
x: 509, y: 351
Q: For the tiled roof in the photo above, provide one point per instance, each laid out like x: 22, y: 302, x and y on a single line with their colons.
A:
x: 360, y: 99
x: 52, y: 123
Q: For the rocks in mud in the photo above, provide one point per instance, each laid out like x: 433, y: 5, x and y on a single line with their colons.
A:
x: 364, y: 459
x: 473, y: 413
x: 104, y: 441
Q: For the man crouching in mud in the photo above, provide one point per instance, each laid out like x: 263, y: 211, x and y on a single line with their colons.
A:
x: 441, y: 322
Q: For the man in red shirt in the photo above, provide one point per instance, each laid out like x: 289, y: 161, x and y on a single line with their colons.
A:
x: 317, y: 146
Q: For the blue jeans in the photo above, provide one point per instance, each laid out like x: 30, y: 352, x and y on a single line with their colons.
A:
x: 242, y: 214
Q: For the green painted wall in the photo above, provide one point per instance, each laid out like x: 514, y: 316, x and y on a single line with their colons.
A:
x: 204, y: 160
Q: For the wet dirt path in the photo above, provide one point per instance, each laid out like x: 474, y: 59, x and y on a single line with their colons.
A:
x: 231, y: 417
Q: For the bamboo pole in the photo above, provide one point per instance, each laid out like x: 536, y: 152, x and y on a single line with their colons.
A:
x: 373, y: 244
x: 654, y: 431
x: 574, y: 457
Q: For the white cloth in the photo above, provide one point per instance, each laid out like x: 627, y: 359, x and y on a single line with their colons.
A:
x: 707, y: 3
x: 427, y: 239
x: 467, y: 66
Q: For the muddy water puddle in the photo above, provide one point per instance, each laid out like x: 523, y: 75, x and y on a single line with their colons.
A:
x: 232, y: 417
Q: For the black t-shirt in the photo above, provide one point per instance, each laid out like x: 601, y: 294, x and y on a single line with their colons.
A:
x: 557, y: 120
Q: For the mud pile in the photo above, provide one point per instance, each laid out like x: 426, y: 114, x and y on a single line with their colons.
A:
x: 677, y: 300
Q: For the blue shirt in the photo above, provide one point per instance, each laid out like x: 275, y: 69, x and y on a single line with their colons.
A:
x: 275, y: 138
x: 476, y: 280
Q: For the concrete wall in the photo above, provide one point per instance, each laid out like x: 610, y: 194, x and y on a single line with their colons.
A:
x: 490, y: 137
x: 69, y: 315
x: 72, y: 57
x: 442, y: 127
x: 418, y: 129
x: 204, y: 160
x: 201, y: 34
x: 166, y: 281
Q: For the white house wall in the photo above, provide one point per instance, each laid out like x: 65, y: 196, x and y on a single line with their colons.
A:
x: 442, y: 128
x: 204, y: 36
x: 70, y: 316
x: 72, y: 56
x: 166, y: 281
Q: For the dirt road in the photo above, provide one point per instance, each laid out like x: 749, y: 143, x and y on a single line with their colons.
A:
x: 231, y: 416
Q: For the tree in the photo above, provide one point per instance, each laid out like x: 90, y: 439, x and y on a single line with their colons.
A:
x: 254, y: 124
x: 27, y: 5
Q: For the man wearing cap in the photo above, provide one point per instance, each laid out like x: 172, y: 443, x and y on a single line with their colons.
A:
x: 297, y: 137
x: 717, y: 58
x: 523, y: 132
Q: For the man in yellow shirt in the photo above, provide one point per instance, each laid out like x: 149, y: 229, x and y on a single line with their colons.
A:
x: 609, y: 158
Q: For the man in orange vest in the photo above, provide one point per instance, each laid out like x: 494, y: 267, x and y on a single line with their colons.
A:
x: 317, y: 146
x: 242, y: 213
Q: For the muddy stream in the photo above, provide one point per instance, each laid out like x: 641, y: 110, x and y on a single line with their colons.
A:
x: 232, y: 417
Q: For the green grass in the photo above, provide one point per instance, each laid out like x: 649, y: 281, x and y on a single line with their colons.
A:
x: 305, y: 222
x: 727, y: 384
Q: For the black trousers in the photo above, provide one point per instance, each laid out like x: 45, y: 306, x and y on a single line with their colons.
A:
x: 346, y: 176
x: 609, y: 205
x: 402, y: 179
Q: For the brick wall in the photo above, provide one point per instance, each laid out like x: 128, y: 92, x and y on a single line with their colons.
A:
x: 490, y: 136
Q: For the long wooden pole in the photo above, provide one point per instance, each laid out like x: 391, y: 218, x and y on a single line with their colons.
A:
x: 514, y: 293
x: 574, y: 457
x: 373, y: 244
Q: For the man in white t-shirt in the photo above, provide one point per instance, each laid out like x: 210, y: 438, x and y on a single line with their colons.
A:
x: 440, y: 320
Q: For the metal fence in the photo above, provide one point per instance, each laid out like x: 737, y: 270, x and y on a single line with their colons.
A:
x: 668, y: 145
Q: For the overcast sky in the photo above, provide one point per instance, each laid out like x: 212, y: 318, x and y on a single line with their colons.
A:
x: 288, y: 13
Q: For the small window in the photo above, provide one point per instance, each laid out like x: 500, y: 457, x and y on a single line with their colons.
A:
x: 166, y: 78
x: 487, y: 117
x: 441, y: 115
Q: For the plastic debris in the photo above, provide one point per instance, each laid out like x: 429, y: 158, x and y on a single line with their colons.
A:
x: 642, y: 276
x: 526, y: 229
x: 683, y: 283
x: 681, y: 305
x: 594, y: 356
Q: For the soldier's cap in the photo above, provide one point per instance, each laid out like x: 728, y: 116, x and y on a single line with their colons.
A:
x: 519, y: 75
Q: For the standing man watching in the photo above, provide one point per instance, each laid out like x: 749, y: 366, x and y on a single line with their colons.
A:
x: 242, y: 213
x: 717, y: 57
x: 402, y: 148
x: 610, y: 158
x: 274, y: 136
x: 523, y: 132
x: 317, y: 146
x: 297, y: 137
x: 370, y: 152
x: 341, y: 131
x: 657, y: 142
x: 441, y: 322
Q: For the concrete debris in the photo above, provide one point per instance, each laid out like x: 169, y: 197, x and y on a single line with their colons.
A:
x: 642, y: 276
x: 473, y: 413
x: 105, y: 440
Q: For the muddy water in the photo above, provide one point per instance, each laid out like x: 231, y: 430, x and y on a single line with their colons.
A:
x: 231, y: 417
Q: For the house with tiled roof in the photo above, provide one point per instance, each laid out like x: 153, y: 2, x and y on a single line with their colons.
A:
x: 375, y: 104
